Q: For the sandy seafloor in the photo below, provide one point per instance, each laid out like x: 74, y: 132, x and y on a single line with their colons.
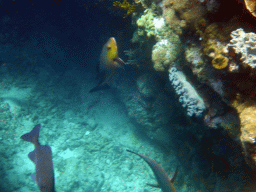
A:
x: 88, y: 133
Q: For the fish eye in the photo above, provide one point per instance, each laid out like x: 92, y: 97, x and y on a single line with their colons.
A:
x: 109, y: 48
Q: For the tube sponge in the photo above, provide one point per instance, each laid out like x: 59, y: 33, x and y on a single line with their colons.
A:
x: 188, y: 96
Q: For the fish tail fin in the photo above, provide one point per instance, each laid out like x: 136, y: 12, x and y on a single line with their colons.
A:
x: 100, y: 87
x: 33, y: 135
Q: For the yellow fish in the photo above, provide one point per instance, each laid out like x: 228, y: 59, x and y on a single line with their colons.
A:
x: 109, y: 60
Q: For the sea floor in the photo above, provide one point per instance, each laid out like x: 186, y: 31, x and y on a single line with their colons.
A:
x: 88, y: 133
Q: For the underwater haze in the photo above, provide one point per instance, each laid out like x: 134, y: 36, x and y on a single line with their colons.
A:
x: 83, y: 81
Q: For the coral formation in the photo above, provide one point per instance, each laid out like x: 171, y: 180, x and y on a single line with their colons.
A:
x: 215, y: 50
x: 214, y: 38
x: 164, y: 53
x: 182, y: 14
x: 188, y: 96
x: 251, y: 6
x: 244, y: 44
x: 229, y: 122
x: 145, y: 24
x: 220, y: 62
x: 247, y: 116
x: 214, y: 31
x: 194, y: 58
x: 211, y: 56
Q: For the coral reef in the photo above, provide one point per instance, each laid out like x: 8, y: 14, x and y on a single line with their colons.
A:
x: 214, y: 31
x: 151, y: 108
x: 226, y: 68
x: 244, y: 44
x: 229, y: 121
x: 247, y: 116
x: 251, y: 6
x: 188, y: 96
x: 189, y: 11
x: 215, y: 50
x: 194, y: 59
x: 164, y: 54
x: 220, y: 62
x: 145, y: 24
x: 214, y: 39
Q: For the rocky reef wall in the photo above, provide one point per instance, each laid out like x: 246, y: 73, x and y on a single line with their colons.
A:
x: 199, y: 92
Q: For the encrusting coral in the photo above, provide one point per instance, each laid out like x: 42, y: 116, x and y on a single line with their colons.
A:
x: 247, y: 115
x: 189, y: 11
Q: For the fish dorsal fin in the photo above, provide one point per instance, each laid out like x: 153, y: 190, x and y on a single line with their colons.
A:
x: 32, y: 156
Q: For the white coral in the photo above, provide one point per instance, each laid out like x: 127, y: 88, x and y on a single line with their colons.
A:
x: 244, y: 44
